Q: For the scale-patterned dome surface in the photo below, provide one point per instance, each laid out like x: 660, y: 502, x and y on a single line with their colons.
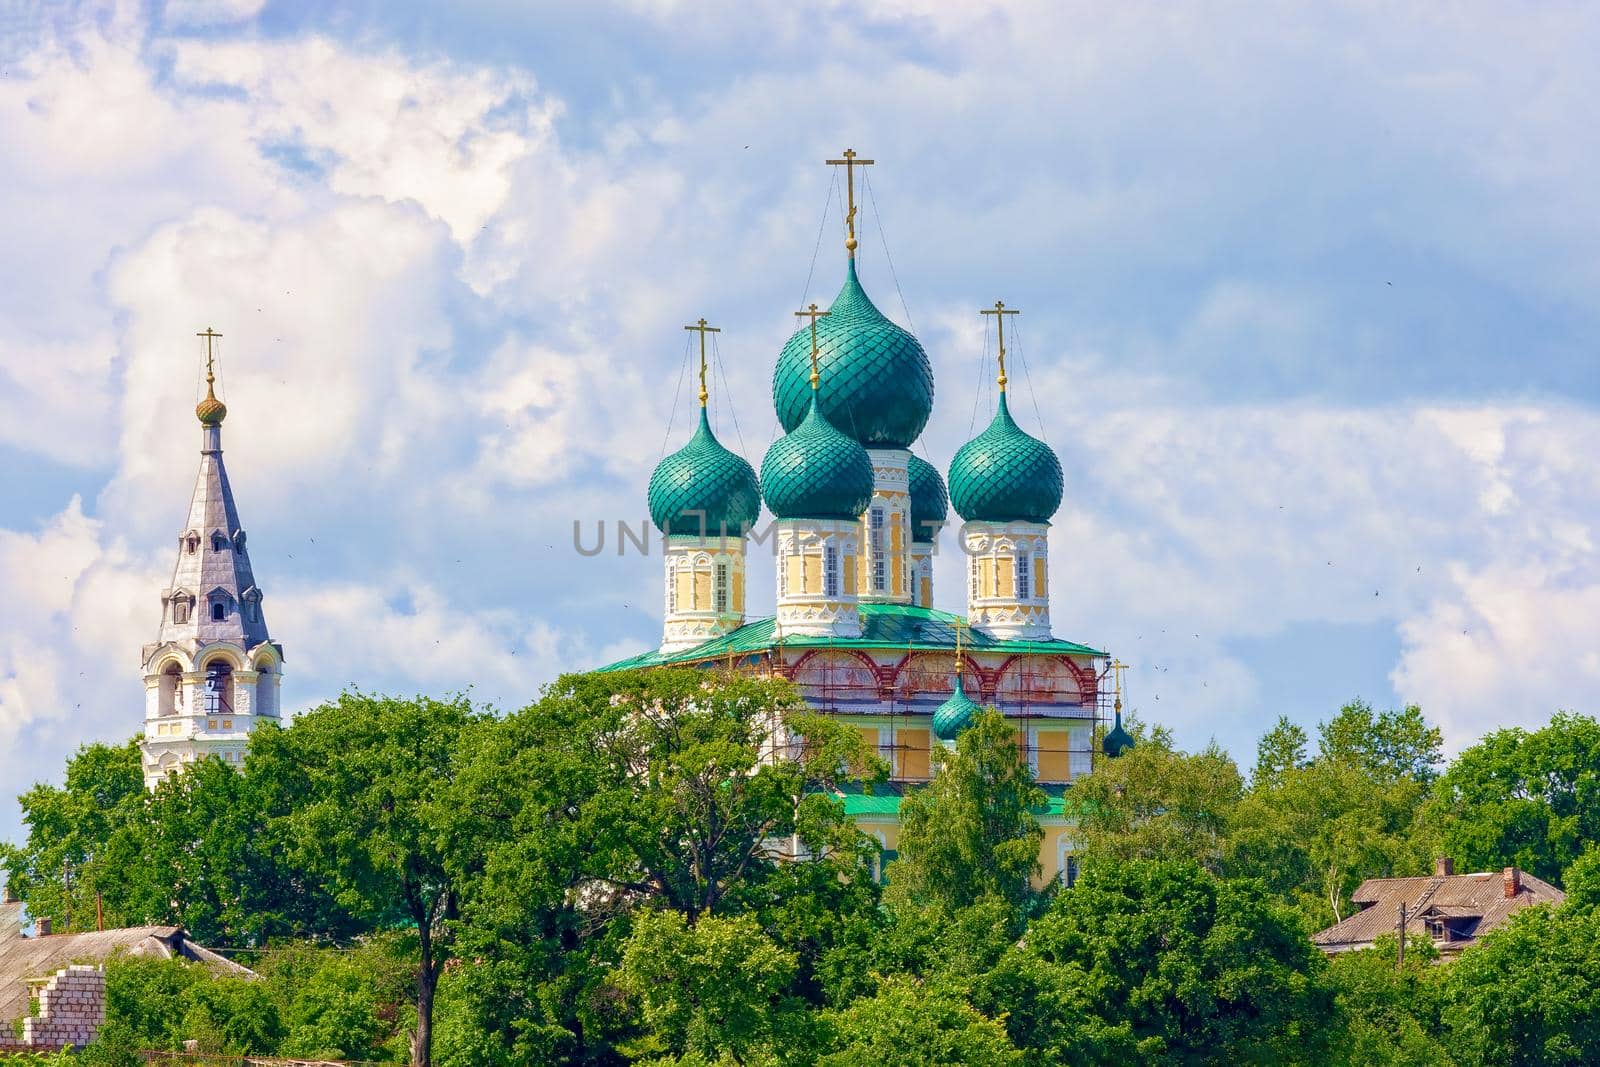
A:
x: 880, y: 383
x: 816, y: 472
x: 930, y: 503
x: 1005, y: 475
x: 955, y: 714
x: 704, y: 477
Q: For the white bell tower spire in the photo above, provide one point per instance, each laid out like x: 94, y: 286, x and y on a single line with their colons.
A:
x: 212, y: 675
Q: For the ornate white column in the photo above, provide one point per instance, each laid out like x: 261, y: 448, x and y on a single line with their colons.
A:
x: 884, y: 564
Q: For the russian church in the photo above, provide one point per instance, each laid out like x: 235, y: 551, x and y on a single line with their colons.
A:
x: 856, y: 514
x: 856, y: 518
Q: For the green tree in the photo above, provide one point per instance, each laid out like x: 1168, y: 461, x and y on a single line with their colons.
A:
x: 1387, y: 745
x: 1529, y: 800
x: 1281, y: 749
x: 908, y: 1024
x: 1581, y: 880
x: 710, y: 990
x: 1528, y: 993
x: 1392, y: 1012
x: 361, y: 790
x: 674, y: 789
x: 971, y: 832
x: 1154, y: 802
x: 1163, y: 962
x: 77, y: 844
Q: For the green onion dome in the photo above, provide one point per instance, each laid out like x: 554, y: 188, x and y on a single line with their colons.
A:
x: 955, y: 714
x: 1118, y: 740
x: 816, y: 472
x: 1005, y: 475
x: 704, y: 477
x: 930, y: 504
x: 880, y: 383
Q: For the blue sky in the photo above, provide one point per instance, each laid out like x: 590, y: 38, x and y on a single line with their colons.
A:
x: 1309, y: 312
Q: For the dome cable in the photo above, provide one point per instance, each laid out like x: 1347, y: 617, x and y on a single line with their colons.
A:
x: 683, y: 368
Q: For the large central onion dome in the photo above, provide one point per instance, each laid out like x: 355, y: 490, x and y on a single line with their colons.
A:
x: 955, y: 714
x: 930, y: 505
x: 880, y: 383
x: 703, y: 477
x: 816, y: 472
x: 1005, y: 475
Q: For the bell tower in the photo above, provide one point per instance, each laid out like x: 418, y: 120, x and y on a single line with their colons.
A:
x: 212, y: 674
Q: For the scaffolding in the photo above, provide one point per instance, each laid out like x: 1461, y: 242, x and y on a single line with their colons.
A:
x: 898, y: 687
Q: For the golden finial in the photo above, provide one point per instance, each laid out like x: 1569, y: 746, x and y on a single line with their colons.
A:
x: 850, y: 163
x: 961, y: 629
x: 210, y: 411
x: 813, y: 314
x: 703, y: 330
x: 1000, y: 311
x: 1117, y: 667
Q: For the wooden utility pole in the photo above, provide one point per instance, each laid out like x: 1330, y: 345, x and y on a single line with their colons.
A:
x: 1400, y: 952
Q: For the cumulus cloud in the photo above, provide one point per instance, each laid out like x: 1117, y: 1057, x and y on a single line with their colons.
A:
x: 452, y: 291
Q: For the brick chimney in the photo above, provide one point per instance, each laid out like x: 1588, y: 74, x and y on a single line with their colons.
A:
x: 41, y: 925
x: 1513, y: 882
x: 1444, y: 867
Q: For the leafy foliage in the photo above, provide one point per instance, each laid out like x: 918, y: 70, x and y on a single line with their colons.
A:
x: 656, y: 868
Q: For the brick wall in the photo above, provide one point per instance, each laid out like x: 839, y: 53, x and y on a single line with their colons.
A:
x: 72, y: 1008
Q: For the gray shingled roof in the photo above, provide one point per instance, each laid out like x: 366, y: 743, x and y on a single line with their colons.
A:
x: 22, y: 958
x: 1453, y: 895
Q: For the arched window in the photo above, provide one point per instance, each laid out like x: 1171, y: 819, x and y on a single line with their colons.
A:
x: 219, y: 687
x: 266, y: 689
x: 219, y: 611
x: 171, y: 690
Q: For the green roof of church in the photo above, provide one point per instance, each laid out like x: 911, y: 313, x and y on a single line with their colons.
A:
x: 1005, y: 474
x: 880, y: 383
x: 929, y: 502
x: 816, y: 472
x: 886, y: 797
x: 955, y: 714
x: 901, y: 626
x: 703, y: 482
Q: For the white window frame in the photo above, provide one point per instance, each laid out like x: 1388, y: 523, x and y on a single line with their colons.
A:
x: 880, y: 571
x: 830, y: 570
x: 1024, y: 576
x: 719, y: 591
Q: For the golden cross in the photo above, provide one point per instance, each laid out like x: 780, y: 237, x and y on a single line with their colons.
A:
x: 703, y: 330
x: 210, y: 335
x: 813, y: 314
x: 961, y: 629
x: 1117, y: 667
x: 850, y: 163
x: 1000, y: 311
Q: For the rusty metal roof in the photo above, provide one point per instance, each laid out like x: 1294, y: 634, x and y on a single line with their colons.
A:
x: 22, y: 958
x: 1453, y: 895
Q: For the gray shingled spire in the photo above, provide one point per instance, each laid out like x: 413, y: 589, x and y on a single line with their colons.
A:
x: 213, y: 568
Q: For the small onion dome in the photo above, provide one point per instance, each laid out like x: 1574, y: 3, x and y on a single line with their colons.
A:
x: 955, y: 714
x: 930, y: 504
x: 816, y: 472
x: 704, y: 478
x: 880, y: 383
x: 1118, y: 740
x: 1005, y: 475
x: 211, y: 411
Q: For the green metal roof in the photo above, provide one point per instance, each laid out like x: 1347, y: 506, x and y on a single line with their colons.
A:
x: 885, y: 798
x: 955, y: 714
x: 930, y: 503
x: 704, y: 489
x: 1005, y: 474
x: 879, y: 380
x: 896, y: 626
x: 816, y: 472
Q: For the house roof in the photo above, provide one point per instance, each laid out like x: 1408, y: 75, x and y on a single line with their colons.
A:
x: 22, y: 958
x: 900, y: 626
x: 1453, y: 896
